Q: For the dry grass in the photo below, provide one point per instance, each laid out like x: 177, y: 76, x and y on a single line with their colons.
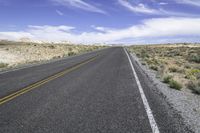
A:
x: 180, y: 62
x: 18, y: 53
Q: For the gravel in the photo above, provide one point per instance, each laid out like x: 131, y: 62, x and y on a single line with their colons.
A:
x: 187, y: 104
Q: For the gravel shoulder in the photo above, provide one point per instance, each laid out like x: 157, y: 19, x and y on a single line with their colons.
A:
x: 185, y: 103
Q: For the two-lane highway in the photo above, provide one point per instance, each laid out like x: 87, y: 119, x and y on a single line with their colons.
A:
x: 94, y: 92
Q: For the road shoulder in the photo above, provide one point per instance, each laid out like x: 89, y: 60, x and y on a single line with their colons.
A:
x: 185, y: 104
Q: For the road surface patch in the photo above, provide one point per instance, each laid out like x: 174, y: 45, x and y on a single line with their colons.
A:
x: 44, y: 81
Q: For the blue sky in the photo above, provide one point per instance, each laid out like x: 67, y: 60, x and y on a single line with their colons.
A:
x: 101, y: 21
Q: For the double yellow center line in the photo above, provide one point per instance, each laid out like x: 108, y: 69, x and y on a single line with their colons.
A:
x: 44, y: 81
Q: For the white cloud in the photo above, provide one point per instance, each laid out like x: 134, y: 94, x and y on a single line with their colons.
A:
x: 79, y: 4
x: 47, y: 28
x: 176, y: 14
x: 163, y: 3
x: 190, y: 2
x: 15, y: 35
x: 102, y: 29
x: 150, y: 28
x: 59, y: 13
x: 140, y: 8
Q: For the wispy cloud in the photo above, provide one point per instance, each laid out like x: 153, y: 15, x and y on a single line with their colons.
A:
x: 150, y: 28
x: 190, y: 2
x: 80, y: 4
x: 102, y: 29
x: 47, y: 28
x: 163, y: 3
x: 59, y: 12
x: 140, y: 8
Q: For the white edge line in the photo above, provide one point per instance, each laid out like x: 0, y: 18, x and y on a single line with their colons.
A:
x: 151, y: 118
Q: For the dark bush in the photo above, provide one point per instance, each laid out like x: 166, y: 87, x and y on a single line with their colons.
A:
x: 173, y: 69
x: 71, y: 53
x: 175, y: 85
x: 167, y: 79
x: 3, y: 65
x: 154, y: 68
x: 194, y: 86
x: 194, y: 58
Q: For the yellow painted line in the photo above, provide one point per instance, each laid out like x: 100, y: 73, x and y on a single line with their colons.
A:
x: 44, y: 81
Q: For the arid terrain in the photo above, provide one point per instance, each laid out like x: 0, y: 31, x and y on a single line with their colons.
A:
x: 13, y: 54
x: 175, y: 64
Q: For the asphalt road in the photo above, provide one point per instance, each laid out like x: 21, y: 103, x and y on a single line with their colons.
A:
x: 92, y: 93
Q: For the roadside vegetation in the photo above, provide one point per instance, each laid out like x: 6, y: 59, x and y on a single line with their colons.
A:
x: 13, y: 54
x: 175, y: 64
x: 3, y: 65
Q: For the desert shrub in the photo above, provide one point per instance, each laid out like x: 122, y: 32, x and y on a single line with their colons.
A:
x: 196, y: 66
x: 167, y: 79
x: 2, y: 43
x: 57, y: 57
x: 51, y: 47
x: 138, y: 55
x: 70, y: 49
x: 3, y: 65
x: 194, y: 58
x: 161, y: 70
x: 144, y: 54
x: 176, y: 69
x: 179, y: 63
x: 175, y: 52
x: 153, y: 67
x: 173, y: 69
x: 175, y: 85
x: 71, y: 53
x: 192, y: 74
x: 152, y: 61
x: 198, y: 76
x: 188, y: 66
x: 143, y: 63
x: 194, y: 86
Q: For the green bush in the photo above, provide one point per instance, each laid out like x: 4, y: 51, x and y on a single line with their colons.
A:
x: 2, y: 65
x: 175, y: 85
x: 194, y: 86
x: 167, y: 79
